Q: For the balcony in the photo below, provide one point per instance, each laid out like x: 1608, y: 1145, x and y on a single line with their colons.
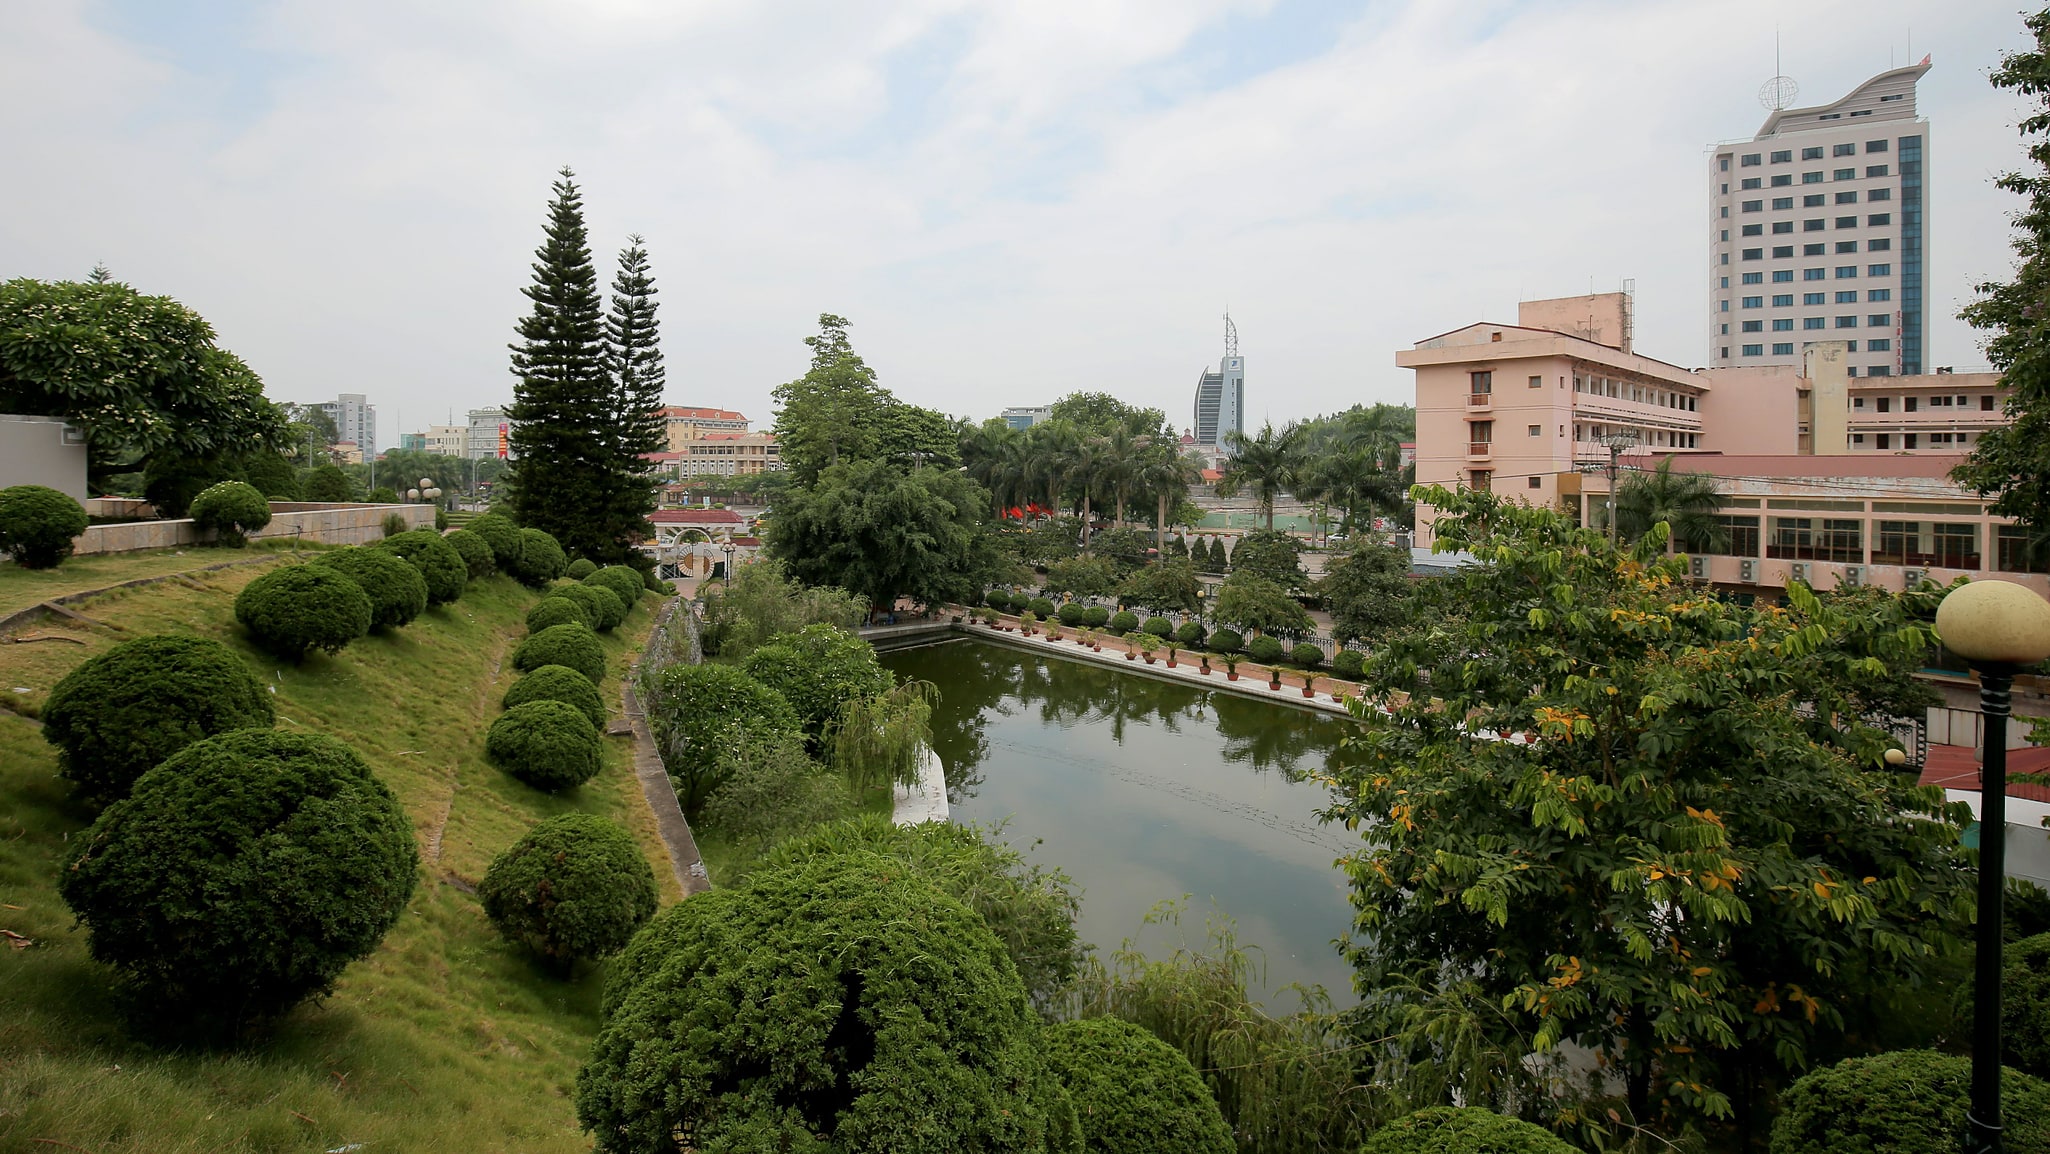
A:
x: 1478, y: 450
x: 1480, y: 400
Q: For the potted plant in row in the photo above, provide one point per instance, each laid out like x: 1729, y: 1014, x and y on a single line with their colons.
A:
x: 1148, y: 645
x: 1053, y: 629
x: 1231, y: 667
x: 1309, y: 685
x: 1205, y: 670
x: 1026, y: 621
x: 1172, y: 647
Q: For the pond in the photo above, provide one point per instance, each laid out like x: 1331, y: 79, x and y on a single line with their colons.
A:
x: 1144, y: 790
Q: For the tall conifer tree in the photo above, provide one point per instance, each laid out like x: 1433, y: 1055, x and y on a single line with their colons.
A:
x: 633, y: 362
x: 562, y: 438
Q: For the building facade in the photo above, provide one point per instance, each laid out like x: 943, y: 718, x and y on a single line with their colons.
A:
x: 1220, y: 404
x: 683, y: 424
x: 721, y: 455
x: 1819, y: 232
x: 1026, y: 416
x: 487, y: 435
x: 355, y: 421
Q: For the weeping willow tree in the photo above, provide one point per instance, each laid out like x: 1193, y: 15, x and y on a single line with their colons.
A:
x: 876, y: 740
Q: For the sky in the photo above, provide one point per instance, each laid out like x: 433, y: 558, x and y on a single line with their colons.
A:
x: 1010, y: 199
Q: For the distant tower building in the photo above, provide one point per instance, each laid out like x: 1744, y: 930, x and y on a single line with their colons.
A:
x: 355, y: 421
x: 1818, y: 230
x: 1026, y: 416
x: 1221, y: 394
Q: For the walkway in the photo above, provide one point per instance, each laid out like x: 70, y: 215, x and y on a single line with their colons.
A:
x: 661, y: 795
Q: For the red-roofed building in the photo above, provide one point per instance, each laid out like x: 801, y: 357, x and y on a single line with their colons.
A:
x: 685, y: 423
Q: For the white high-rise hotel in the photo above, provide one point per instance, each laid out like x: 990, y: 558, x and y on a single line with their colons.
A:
x: 1819, y: 231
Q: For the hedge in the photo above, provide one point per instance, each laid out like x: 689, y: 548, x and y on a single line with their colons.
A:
x: 243, y: 874
x: 1133, y: 1093
x: 1225, y: 641
x: 327, y: 485
x: 1307, y: 655
x: 580, y: 568
x: 1122, y: 622
x: 37, y: 525
x: 906, y: 1027
x: 558, y: 683
x: 397, y: 591
x: 572, y: 645
x: 623, y: 580
x: 476, y: 554
x: 297, y: 608
x: 1096, y: 617
x: 1160, y: 627
x: 438, y: 561
x: 550, y: 745
x: 1903, y: 1102
x: 601, y: 604
x: 1348, y: 663
x: 231, y: 510
x: 1265, y: 650
x: 576, y: 886
x: 1462, y: 1130
x: 502, y: 536
x: 116, y: 716
x: 1073, y: 614
x: 1191, y: 635
x: 1041, y: 607
x: 539, y: 561
x: 551, y: 611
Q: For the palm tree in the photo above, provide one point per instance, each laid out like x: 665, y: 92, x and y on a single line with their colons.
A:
x: 1686, y: 502
x: 1078, y: 463
x: 1045, y: 468
x: 1268, y: 464
x: 1167, y: 476
x: 1121, y: 456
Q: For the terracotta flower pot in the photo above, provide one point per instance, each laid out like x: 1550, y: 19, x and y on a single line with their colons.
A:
x: 1094, y: 648
x: 1205, y: 671
x: 1231, y: 675
x: 1131, y: 655
x: 1275, y: 685
x: 1149, y: 659
x: 1170, y: 663
x: 1308, y: 692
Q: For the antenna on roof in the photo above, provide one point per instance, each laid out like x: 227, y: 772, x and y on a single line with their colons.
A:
x: 1231, y: 335
x: 1778, y: 93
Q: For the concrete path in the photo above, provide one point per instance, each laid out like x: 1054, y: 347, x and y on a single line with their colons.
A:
x: 661, y: 795
x: 1187, y: 669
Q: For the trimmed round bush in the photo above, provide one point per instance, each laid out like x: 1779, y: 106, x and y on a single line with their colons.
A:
x: 116, y: 716
x: 572, y: 645
x: 1096, y: 617
x: 1903, y: 1102
x: 1462, y: 1130
x: 1133, y: 1093
x: 1265, y: 650
x: 551, y: 611
x: 701, y: 713
x: 243, y: 874
x: 437, y: 560
x: 538, y: 561
x: 502, y: 536
x: 1226, y: 641
x: 623, y: 580
x: 2024, y: 1003
x: 327, y: 485
x: 1190, y: 635
x: 558, y: 683
x: 1306, y: 655
x: 550, y: 745
x: 580, y: 568
x: 1073, y: 614
x: 1123, y: 622
x: 601, y: 605
x: 1158, y: 626
x: 999, y: 600
x: 1349, y: 664
x: 576, y: 886
x: 653, y: 583
x: 297, y: 608
x: 37, y: 525
x: 1041, y: 607
x: 904, y: 990
x: 231, y: 511
x: 397, y: 591
x: 476, y: 554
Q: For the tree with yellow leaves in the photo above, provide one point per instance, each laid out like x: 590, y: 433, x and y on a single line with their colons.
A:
x: 1614, y: 811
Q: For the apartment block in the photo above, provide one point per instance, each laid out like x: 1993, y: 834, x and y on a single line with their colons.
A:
x: 487, y: 435
x: 684, y: 424
x: 721, y: 455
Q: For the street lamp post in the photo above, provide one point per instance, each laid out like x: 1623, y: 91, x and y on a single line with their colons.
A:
x: 728, y: 549
x: 1615, y: 441
x: 2000, y: 628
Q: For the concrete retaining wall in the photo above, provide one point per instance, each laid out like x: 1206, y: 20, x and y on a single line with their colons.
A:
x: 328, y: 524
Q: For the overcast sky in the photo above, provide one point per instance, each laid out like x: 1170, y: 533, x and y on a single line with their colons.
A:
x: 1010, y: 200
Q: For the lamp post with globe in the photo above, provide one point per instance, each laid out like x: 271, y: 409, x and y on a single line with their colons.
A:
x: 2000, y: 628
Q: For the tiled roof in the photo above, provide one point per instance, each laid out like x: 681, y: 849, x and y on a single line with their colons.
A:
x: 702, y: 414
x: 1957, y: 767
x: 695, y: 517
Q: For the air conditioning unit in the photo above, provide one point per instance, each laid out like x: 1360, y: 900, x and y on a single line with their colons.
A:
x: 1697, y: 568
x: 1800, y: 571
x: 1853, y: 575
x: 1747, y: 570
x: 1913, y: 577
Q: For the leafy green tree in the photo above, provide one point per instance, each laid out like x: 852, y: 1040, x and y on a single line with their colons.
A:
x: 1267, y: 463
x: 1128, y: 548
x: 832, y: 412
x: 551, y: 745
x: 873, y: 529
x: 231, y: 510
x: 876, y: 741
x: 636, y: 377
x: 770, y: 791
x: 1366, y: 589
x: 1257, y: 605
x: 915, y: 1032
x: 397, y: 591
x: 1166, y: 477
x: 558, y: 683
x: 1081, y: 577
x: 1270, y: 556
x: 1700, y: 871
x: 294, y: 609
x: 1169, y: 587
x: 1688, y: 502
x: 140, y: 375
x: 564, y: 465
x: 817, y: 669
x: 2011, y: 462
x: 327, y: 483
x: 760, y: 602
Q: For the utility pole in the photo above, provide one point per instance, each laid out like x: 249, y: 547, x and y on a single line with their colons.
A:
x: 1615, y: 441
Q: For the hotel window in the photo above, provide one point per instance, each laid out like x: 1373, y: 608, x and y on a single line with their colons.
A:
x: 1753, y: 206
x: 1537, y: 382
x: 1926, y: 544
x: 1812, y: 200
x: 1846, y: 271
x: 1753, y: 278
x: 1853, y: 346
x: 1754, y: 302
x: 1724, y: 212
x: 1847, y: 222
x: 1879, y: 270
x: 1743, y: 533
x: 1875, y: 146
x: 1782, y: 251
x: 1847, y: 322
x: 1885, y: 406
x: 1817, y: 539
x: 1814, y: 298
x: 1814, y: 274
x: 1783, y: 300
x: 1811, y: 178
x: 1910, y: 404
x: 1985, y: 404
x: 1887, y: 371
x: 1783, y: 156
x: 1845, y: 174
x: 1847, y: 297
x: 2013, y: 552
x: 1754, y: 326
x: 1783, y: 180
x: 1726, y: 282
x: 1754, y: 254
x: 1879, y: 194
x: 1812, y: 153
x: 1847, y: 246
x: 1749, y: 230
x: 1812, y: 249
x: 1481, y: 382
x: 1750, y: 182
x: 1754, y: 350
x: 1783, y: 325
x: 1844, y: 150
x: 1725, y: 305
x: 1879, y: 219
x: 1850, y: 197
x: 1813, y: 224
x: 1814, y: 322
x: 1782, y: 202
x: 1536, y: 430
x: 1723, y: 162
x: 1480, y: 480
x: 1879, y: 320
x: 1783, y: 276
x: 1879, y: 244
x: 1752, y: 159
x: 1784, y: 349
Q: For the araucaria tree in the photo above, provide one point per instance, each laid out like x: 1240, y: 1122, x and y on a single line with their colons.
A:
x: 582, y: 411
x: 1700, y: 869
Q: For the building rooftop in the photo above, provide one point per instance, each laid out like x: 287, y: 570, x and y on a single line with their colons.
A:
x: 681, y: 411
x: 695, y: 517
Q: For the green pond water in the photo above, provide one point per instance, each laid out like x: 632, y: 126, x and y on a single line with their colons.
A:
x: 1145, y: 790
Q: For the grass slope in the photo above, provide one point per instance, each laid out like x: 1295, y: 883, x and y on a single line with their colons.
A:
x: 446, y: 1038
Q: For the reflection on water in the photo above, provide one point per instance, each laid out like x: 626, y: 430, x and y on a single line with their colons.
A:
x: 1145, y: 790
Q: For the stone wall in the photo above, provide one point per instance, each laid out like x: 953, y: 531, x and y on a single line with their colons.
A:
x: 338, y: 524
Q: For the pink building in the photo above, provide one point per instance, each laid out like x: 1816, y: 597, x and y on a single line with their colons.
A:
x: 1829, y: 477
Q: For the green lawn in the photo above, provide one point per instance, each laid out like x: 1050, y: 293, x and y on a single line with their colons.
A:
x: 444, y: 1039
x: 21, y: 588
